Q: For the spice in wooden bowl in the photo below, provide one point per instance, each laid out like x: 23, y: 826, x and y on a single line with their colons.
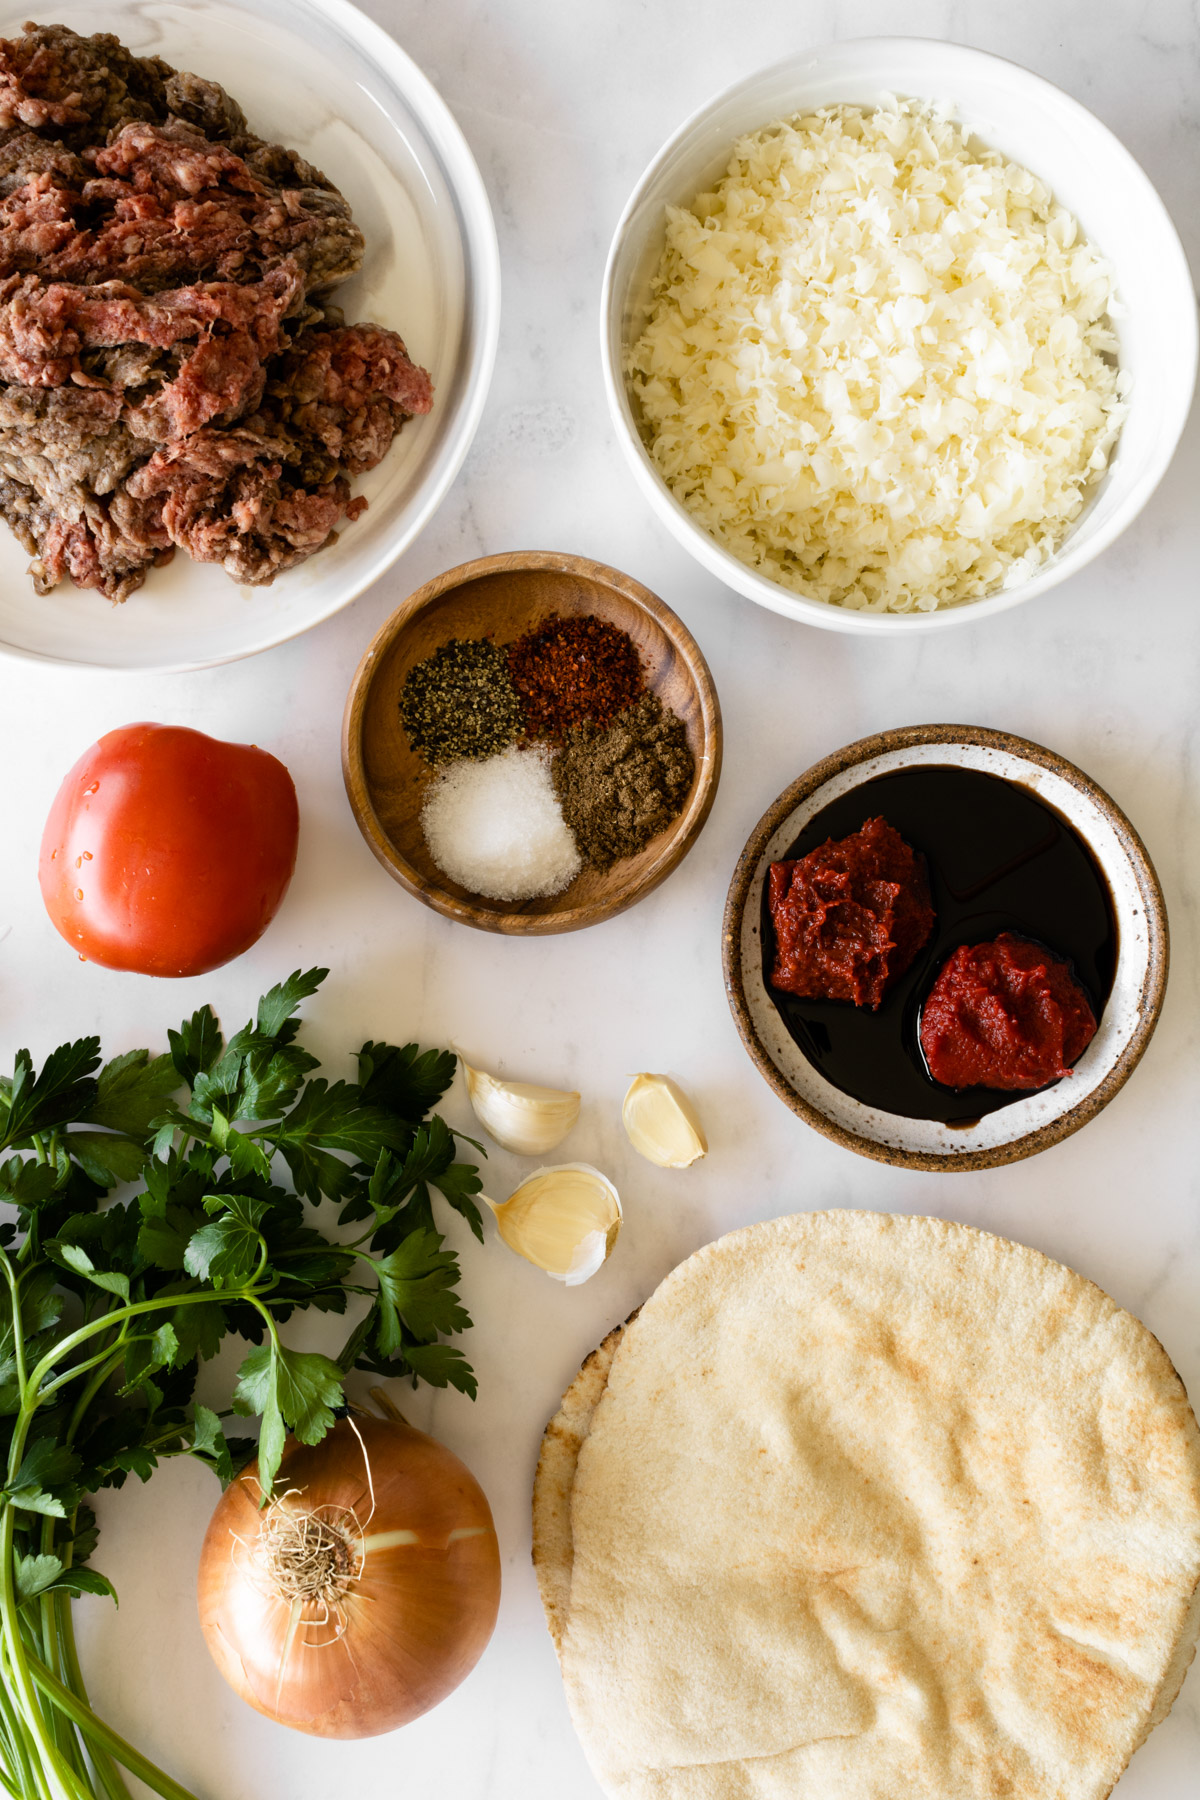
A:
x: 505, y: 598
x: 619, y: 788
x: 509, y: 823
x: 460, y: 702
x: 496, y: 827
x: 574, y: 671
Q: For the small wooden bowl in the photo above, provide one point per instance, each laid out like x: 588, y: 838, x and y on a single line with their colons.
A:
x: 502, y: 597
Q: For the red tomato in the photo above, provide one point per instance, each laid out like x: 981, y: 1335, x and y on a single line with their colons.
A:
x: 168, y: 852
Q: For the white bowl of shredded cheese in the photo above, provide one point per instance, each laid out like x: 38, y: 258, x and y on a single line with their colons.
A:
x: 896, y: 334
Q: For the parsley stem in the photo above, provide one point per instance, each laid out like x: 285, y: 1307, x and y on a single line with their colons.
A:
x: 62, y: 1731
x: 14, y: 1290
x: 49, y: 1644
x: 268, y: 1320
x: 97, y: 1732
x: 78, y: 1369
x: 60, y: 1782
x: 15, y: 1755
x: 91, y: 1390
x: 106, y: 1770
x: 119, y: 1315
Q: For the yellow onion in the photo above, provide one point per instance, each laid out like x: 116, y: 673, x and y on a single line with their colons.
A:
x: 365, y: 1590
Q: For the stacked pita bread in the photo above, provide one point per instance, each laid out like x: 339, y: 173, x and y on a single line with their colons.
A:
x: 861, y: 1507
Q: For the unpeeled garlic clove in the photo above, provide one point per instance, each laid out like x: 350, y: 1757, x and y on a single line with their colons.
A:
x: 661, y: 1122
x: 563, y: 1220
x: 523, y: 1118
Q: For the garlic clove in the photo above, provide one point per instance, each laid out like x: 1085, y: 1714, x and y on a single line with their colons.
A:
x: 564, y: 1220
x: 523, y: 1118
x: 661, y: 1122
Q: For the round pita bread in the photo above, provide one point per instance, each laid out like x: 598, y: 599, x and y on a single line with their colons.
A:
x: 562, y: 1441
x: 862, y: 1507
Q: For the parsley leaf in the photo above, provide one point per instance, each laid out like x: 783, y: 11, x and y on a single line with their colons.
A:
x: 209, y: 1445
x: 86, y: 1581
x: 44, y: 1483
x: 61, y: 1092
x: 199, y: 1329
x: 163, y: 1242
x: 107, y: 1158
x: 228, y: 1250
x: 406, y: 1081
x: 457, y: 1184
x: 442, y: 1365
x: 291, y: 1389
x: 416, y: 1283
x: 333, y: 1117
x: 27, y: 1183
x: 246, y: 1158
x: 32, y: 1575
x: 74, y: 1256
x: 196, y: 1045
x: 275, y: 1008
x: 130, y: 1091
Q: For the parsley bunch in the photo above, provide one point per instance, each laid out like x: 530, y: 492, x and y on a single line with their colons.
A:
x: 108, y: 1308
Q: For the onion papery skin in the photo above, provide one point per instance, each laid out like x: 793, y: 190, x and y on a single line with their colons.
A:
x: 412, y: 1626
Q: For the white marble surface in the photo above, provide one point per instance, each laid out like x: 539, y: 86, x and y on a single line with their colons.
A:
x: 563, y: 105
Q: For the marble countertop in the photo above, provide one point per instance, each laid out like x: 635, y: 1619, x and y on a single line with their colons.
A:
x: 563, y: 105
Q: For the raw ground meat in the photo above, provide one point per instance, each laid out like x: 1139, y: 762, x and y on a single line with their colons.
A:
x: 172, y: 372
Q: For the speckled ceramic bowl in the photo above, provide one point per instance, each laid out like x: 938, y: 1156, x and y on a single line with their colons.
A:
x: 1037, y: 1120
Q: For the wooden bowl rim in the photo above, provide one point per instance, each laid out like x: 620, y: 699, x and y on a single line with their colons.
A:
x: 682, y: 833
x: 1150, y: 999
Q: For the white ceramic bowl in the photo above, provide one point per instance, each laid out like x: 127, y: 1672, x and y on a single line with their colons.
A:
x: 1034, y: 124
x: 321, y: 77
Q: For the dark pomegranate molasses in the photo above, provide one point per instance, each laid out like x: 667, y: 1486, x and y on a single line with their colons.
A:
x: 999, y: 860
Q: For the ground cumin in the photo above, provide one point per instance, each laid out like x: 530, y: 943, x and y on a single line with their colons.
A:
x: 618, y: 788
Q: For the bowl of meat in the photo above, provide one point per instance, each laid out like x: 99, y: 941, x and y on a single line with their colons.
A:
x: 249, y: 305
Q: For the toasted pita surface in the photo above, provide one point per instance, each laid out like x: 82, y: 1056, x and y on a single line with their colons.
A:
x: 862, y: 1507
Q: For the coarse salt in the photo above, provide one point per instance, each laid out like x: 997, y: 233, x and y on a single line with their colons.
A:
x: 879, y: 365
x: 496, y: 827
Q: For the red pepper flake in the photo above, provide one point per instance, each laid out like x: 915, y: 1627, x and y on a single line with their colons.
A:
x: 574, y: 671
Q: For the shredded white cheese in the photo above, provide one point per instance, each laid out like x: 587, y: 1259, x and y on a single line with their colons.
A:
x: 879, y: 364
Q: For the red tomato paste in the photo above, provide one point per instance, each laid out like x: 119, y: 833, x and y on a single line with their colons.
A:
x: 850, y: 916
x: 1004, y: 1015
